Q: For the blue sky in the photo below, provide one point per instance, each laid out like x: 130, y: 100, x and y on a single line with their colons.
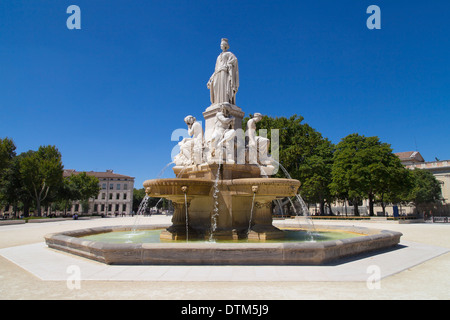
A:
x: 110, y: 95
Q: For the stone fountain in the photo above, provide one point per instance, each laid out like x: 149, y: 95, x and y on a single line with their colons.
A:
x: 222, y: 188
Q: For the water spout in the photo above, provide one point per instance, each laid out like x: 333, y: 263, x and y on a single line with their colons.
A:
x: 302, y: 203
x: 281, y: 207
x: 216, y: 205
x: 164, y: 169
x: 141, y: 210
x: 255, y: 190
x: 184, y: 189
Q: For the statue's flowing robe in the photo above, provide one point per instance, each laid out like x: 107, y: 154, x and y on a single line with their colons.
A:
x: 225, y: 80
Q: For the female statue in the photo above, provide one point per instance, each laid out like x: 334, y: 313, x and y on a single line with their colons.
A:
x: 224, y: 82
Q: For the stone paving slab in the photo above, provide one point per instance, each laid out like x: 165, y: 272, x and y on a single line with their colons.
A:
x: 51, y: 265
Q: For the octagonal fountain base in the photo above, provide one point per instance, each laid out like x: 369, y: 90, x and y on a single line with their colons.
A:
x: 207, y: 253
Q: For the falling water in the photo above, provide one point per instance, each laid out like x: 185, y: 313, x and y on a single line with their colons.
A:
x: 305, y: 212
x: 144, y: 203
x: 311, y: 227
x: 216, y: 205
x: 251, y: 214
x: 141, y: 210
x: 160, y: 199
x: 283, y: 168
x: 302, y: 203
x: 164, y: 169
x: 187, y: 217
x: 281, y: 207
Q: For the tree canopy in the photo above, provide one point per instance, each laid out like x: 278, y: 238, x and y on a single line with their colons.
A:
x: 36, y: 177
x: 357, y: 168
x: 425, y: 188
x: 366, y: 168
x: 305, y: 155
x: 41, y: 171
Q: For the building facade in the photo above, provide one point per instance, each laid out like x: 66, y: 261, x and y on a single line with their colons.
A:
x: 440, y: 169
x: 411, y: 160
x: 115, y: 196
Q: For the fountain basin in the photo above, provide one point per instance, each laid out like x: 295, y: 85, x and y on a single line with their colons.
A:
x: 173, y: 187
x: 167, y: 188
x: 207, y: 253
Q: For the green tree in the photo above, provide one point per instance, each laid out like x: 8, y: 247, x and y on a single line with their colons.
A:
x: 77, y: 187
x: 41, y: 171
x: 7, y: 153
x: 82, y: 186
x: 393, y: 181
x: 346, y: 182
x: 9, y: 181
x: 305, y: 154
x: 365, y: 168
x: 425, y: 189
x: 12, y: 187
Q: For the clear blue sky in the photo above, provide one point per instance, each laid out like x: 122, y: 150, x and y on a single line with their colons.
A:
x: 110, y: 95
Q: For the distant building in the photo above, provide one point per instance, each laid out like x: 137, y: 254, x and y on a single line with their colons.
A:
x: 410, y: 157
x: 411, y: 160
x: 115, y: 196
x: 440, y: 169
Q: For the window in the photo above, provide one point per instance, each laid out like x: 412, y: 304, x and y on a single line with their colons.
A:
x: 111, y: 186
x: 109, y: 207
x: 104, y: 186
x: 124, y: 196
x: 103, y: 196
x: 103, y: 207
x: 95, y: 207
x: 124, y: 207
x: 125, y: 186
x: 77, y: 207
x: 118, y: 186
x: 110, y: 196
x: 117, y: 196
x: 117, y: 207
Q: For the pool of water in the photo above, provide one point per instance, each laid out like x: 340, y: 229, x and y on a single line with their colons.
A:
x: 153, y: 236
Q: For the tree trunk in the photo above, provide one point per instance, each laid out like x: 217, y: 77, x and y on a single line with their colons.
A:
x: 355, y: 207
x: 331, y: 211
x: 38, y: 207
x: 322, y: 208
x: 26, y: 209
x: 371, y: 213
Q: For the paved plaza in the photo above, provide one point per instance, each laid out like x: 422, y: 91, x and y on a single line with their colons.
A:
x: 416, y: 269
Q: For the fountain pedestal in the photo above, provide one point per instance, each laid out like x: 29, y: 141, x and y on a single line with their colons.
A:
x: 180, y: 222
x: 243, y: 206
x: 261, y: 224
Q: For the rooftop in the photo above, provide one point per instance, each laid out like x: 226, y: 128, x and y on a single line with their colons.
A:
x: 105, y: 174
x: 413, y: 156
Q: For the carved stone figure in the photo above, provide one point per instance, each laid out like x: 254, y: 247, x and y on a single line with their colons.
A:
x: 223, y: 134
x: 224, y: 82
x: 191, y: 149
x: 257, y: 145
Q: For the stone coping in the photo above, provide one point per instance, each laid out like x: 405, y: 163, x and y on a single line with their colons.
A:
x: 10, y: 222
x: 302, y: 253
